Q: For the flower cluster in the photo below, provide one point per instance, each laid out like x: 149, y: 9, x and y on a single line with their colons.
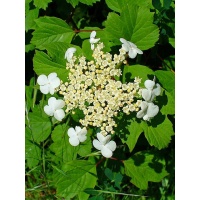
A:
x: 148, y: 109
x: 94, y: 88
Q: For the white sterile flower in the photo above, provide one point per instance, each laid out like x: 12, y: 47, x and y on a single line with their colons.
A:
x: 48, y: 84
x: 104, y: 145
x: 76, y: 135
x: 93, y: 40
x: 148, y: 111
x: 151, y: 91
x: 69, y: 53
x: 130, y: 48
x: 54, y: 108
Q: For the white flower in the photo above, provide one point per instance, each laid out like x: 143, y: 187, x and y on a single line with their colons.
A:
x: 104, y: 145
x: 130, y: 48
x: 54, y: 108
x: 151, y: 91
x: 48, y: 84
x: 69, y: 53
x: 76, y: 135
x: 93, y: 40
x: 148, y: 111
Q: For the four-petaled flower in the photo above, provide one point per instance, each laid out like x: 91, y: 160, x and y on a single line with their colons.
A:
x: 76, y: 135
x: 151, y: 91
x: 93, y: 40
x: 54, y: 108
x: 148, y: 111
x: 69, y: 53
x: 130, y: 48
x: 104, y: 145
x: 48, y: 84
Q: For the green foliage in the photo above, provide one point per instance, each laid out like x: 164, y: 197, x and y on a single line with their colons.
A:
x: 144, y: 167
x: 135, y: 24
x: 42, y: 3
x: 74, y: 177
x: 51, y: 29
x: 143, y: 162
x: 43, y: 64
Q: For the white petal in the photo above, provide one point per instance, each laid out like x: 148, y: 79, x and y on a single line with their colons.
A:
x: 149, y: 84
x: 111, y: 145
x: 42, y: 80
x: 157, y: 90
x: 152, y: 110
x: 69, y: 53
x: 51, y: 76
x: 77, y: 129
x: 71, y: 132
x: 93, y: 34
x: 146, y: 94
x: 132, y: 53
x: 102, y: 139
x: 144, y: 105
x: 97, y: 144
x: 132, y: 45
x: 140, y: 114
x: 58, y: 104
x: 55, y: 82
x: 51, y: 90
x: 82, y: 138
x: 125, y: 47
x: 48, y: 110
x: 125, y: 44
x: 74, y: 141
x: 59, y: 114
x: 139, y: 51
x: 45, y: 89
x: 92, y: 46
x: 106, y: 152
x: 52, y: 102
x: 146, y: 118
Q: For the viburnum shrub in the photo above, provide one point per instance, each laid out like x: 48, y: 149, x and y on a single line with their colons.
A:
x: 100, y: 107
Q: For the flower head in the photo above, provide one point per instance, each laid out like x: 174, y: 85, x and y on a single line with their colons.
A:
x: 54, y: 108
x: 76, y: 135
x: 148, y: 111
x: 130, y: 48
x: 104, y: 145
x: 69, y: 53
x: 93, y: 40
x: 151, y: 91
x: 48, y: 84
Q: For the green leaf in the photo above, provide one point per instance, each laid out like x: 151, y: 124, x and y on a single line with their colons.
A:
x: 135, y: 24
x: 84, y: 148
x: 43, y: 64
x: 144, y: 167
x: 117, y: 5
x: 166, y: 103
x: 63, y: 150
x: 166, y: 79
x: 134, y: 132
x: 29, y: 47
x: 74, y: 3
x: 32, y: 151
x: 130, y: 72
x: 51, y: 29
x: 29, y: 94
x: 40, y: 126
x: 42, y: 3
x: 158, y: 132
x: 31, y: 15
x: 56, y: 51
x: 74, y: 178
x: 172, y: 41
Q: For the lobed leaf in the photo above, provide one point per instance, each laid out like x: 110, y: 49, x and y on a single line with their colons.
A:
x: 134, y: 24
x: 42, y: 3
x: 74, y: 178
x: 144, y: 167
x: 51, y: 29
